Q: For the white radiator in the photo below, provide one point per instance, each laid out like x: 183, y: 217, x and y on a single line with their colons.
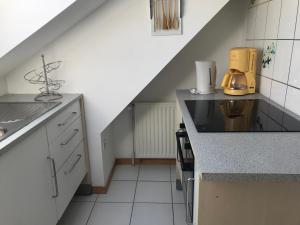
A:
x: 154, y: 131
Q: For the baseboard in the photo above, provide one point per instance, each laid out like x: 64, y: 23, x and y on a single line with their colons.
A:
x: 103, y: 189
x: 126, y: 161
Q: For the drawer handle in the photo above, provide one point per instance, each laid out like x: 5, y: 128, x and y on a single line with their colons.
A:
x: 67, y: 120
x: 54, y: 176
x: 74, y: 164
x: 70, y: 138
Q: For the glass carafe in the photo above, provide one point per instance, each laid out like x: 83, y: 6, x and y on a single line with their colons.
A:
x: 238, y: 81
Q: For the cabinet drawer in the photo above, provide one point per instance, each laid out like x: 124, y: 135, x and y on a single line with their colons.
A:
x: 65, y: 144
x: 69, y: 178
x: 58, y: 124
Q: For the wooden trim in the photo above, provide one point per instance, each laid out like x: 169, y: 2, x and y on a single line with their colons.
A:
x: 126, y: 161
x: 103, y: 189
x: 87, y: 179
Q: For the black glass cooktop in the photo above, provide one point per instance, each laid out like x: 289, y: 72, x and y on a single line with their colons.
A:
x: 253, y: 115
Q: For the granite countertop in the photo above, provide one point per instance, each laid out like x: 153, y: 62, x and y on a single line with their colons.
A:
x: 257, y: 156
x: 65, y: 101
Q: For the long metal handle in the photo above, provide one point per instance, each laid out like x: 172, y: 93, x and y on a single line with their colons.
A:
x: 54, y: 176
x: 189, y: 180
x: 70, y: 138
x: 67, y: 120
x: 74, y: 164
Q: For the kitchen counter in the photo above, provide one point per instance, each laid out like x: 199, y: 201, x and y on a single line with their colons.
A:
x: 65, y: 101
x: 247, y: 156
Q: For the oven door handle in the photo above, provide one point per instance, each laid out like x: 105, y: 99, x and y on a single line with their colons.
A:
x: 180, y: 134
x: 189, y: 181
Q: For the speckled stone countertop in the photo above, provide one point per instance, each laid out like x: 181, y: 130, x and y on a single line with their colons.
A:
x: 65, y: 101
x: 242, y: 156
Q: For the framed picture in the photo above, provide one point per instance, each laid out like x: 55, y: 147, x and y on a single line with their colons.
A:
x: 166, y: 17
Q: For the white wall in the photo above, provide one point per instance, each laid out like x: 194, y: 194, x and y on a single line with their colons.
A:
x: 122, y: 134
x: 276, y: 23
x: 107, y: 152
x: 110, y: 57
x: 3, y: 86
x: 20, y: 19
x: 180, y: 72
x: 43, y: 36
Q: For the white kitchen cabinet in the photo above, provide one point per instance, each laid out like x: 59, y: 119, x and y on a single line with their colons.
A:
x: 64, y: 145
x: 26, y: 186
x: 69, y: 177
x: 40, y: 173
x: 59, y: 123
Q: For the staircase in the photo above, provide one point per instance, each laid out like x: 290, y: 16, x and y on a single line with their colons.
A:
x: 110, y: 57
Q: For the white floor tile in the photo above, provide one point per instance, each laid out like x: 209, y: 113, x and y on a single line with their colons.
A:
x: 126, y: 172
x: 111, y: 214
x: 177, y: 195
x: 150, y: 214
x: 154, y: 173
x: 119, y: 191
x: 179, y: 214
x: 85, y: 198
x: 173, y: 173
x: 159, y: 192
x: 77, y: 213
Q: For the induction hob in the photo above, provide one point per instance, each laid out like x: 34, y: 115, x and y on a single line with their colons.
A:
x: 251, y: 115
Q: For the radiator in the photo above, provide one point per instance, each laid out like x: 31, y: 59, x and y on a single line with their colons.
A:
x: 154, y: 130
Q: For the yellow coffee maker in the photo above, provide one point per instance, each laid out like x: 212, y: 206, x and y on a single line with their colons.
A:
x: 240, y: 79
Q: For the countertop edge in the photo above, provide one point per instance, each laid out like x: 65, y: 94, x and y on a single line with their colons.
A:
x: 228, y: 176
x: 67, y: 100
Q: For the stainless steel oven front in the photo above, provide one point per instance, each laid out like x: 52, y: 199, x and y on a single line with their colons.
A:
x: 185, y: 161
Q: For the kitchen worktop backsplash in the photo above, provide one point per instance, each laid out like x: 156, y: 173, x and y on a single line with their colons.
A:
x: 273, y: 27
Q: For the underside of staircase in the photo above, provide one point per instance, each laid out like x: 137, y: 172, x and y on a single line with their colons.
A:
x: 110, y: 57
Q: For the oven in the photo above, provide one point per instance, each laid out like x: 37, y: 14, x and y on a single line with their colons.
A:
x: 185, y: 161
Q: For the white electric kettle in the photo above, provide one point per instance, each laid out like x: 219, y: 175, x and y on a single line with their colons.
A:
x: 206, y: 76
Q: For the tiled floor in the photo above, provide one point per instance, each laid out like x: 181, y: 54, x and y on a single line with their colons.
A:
x: 140, y: 195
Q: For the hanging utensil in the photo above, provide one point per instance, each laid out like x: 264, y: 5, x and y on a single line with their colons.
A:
x: 157, y: 15
x: 165, y: 20
x: 170, y: 20
x: 154, y: 15
x: 151, y: 9
x: 175, y: 22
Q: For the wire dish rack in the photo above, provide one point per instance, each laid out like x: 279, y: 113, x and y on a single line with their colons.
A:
x: 40, y: 76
